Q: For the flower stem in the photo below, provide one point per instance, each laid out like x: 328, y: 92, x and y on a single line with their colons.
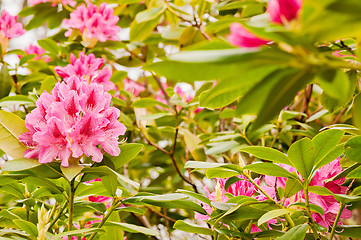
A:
x: 109, y: 212
x: 307, y: 203
x: 71, y: 207
x: 338, y: 216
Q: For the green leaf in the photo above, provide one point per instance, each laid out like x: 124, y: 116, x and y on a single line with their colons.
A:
x: 24, y: 59
x: 77, y: 232
x: 141, y: 31
x: 49, y: 45
x: 112, y: 231
x: 273, y: 214
x: 292, y: 187
x: 324, y: 142
x: 228, y: 90
x: 16, y: 100
x: 165, y: 197
x: 296, y: 233
x: 28, y: 227
x: 133, y: 228
x: 147, y: 102
x: 11, y: 126
x: 335, y: 83
x: 128, y: 151
x: 20, y: 164
x: 343, y: 198
x: 319, y: 190
x: 196, y: 196
x: 352, y: 231
x: 269, y: 169
x: 72, y: 171
x: 332, y: 155
x: 356, y: 111
x: 118, y: 76
x: 301, y: 154
x: 267, y: 153
x: 192, y: 228
x: 5, y: 82
x: 149, y: 14
x: 353, y: 149
x: 313, y: 207
x: 48, y: 84
x: 202, y: 165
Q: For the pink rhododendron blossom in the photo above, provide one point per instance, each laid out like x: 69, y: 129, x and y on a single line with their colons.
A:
x: 53, y: 2
x: 327, y: 203
x: 282, y: 11
x: 9, y: 29
x: 87, y: 68
x: 38, y: 51
x: 95, y: 23
x: 102, y: 199
x: 71, y: 122
x: 133, y: 87
x: 241, y: 37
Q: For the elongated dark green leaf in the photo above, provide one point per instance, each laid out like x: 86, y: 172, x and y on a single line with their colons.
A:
x: 187, y: 227
x: 269, y: 169
x: 301, y: 154
x: 147, y: 102
x: 267, y: 154
x: 296, y: 233
x: 5, y: 81
x: 128, y: 152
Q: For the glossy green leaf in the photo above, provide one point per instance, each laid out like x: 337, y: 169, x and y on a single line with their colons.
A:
x: 301, y: 154
x: 192, y: 228
x: 128, y: 151
x: 133, y: 228
x: 147, y: 102
x: 292, y: 187
x: 5, y: 81
x: 72, y: 171
x: 269, y: 169
x: 141, y: 31
x: 20, y: 164
x: 296, y: 233
x: 202, y: 165
x: 149, y: 14
x: 273, y: 214
x: 324, y: 142
x: 267, y: 153
x: 28, y: 227
x: 353, y: 149
x: 49, y: 45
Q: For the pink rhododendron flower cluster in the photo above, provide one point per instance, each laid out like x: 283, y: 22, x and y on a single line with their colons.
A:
x: 241, y: 37
x: 38, y: 51
x: 87, y: 68
x: 54, y: 2
x: 133, y: 87
x: 95, y: 24
x: 71, y: 122
x: 9, y: 29
x: 327, y: 203
x: 282, y: 11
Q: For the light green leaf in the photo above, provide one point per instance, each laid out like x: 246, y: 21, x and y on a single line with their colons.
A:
x: 147, y: 102
x: 273, y: 214
x: 324, y: 142
x: 296, y: 233
x: 5, y: 81
x: 72, y: 171
x: 269, y: 169
x: 141, y: 31
x: 192, y: 228
x: 49, y: 45
x: 77, y: 232
x: 267, y: 153
x: 128, y: 151
x: 353, y: 149
x: 28, y: 227
x: 11, y: 126
x: 301, y: 154
x: 149, y: 14
x: 133, y: 228
x: 202, y: 165
x: 20, y: 164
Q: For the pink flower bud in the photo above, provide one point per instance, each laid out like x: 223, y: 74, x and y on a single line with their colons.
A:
x: 241, y: 37
x: 282, y: 11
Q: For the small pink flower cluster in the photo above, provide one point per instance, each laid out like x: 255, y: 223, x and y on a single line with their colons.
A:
x: 280, y: 11
x: 327, y: 203
x: 38, y: 51
x: 71, y: 122
x: 54, y: 2
x: 94, y: 23
x: 9, y: 29
x: 87, y: 68
x: 133, y: 87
